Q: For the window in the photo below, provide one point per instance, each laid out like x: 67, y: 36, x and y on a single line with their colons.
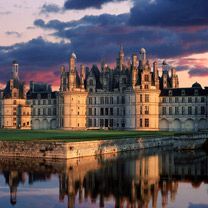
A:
x: 49, y: 112
x: 106, y: 100
x: 111, y: 122
x: 90, y: 101
x: 146, y: 98
x: 54, y: 111
x: 183, y: 100
x: 102, y: 100
x: 140, y: 109
x: 176, y: 100
x: 90, y: 111
x: 111, y: 100
x: 39, y: 111
x: 44, y: 102
x: 163, y: 110
x: 90, y: 122
x: 101, y: 111
x: 146, y: 110
x: 176, y: 110
x: 140, y: 122
x: 183, y: 92
x: 15, y: 102
x: 95, y: 101
x: 111, y: 111
x: 170, y: 100
x: 170, y: 93
x: 95, y: 111
x: 202, y: 99
x: 91, y: 82
x: 95, y: 123
x: 106, y: 111
x: 183, y: 111
x: 101, y: 122
x: 141, y: 98
x: 117, y: 99
x: 123, y: 100
x: 196, y: 110
x: 190, y: 99
x: 164, y: 100
x: 189, y: 110
x: 170, y: 111
x: 118, y: 112
x: 146, y: 78
x: 202, y: 110
x: 146, y: 122
x: 146, y: 87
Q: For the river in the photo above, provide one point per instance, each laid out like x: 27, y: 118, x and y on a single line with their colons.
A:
x: 152, y: 178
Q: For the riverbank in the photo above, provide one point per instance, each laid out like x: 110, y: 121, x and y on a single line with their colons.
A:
x: 67, y: 150
x: 75, y: 136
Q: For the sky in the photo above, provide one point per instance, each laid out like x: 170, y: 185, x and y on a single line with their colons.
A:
x: 40, y: 35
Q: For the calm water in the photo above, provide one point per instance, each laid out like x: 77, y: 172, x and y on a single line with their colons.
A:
x: 143, y: 179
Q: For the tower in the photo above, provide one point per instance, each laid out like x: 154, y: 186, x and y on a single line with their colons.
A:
x: 64, y: 79
x: 72, y: 72
x: 164, y: 75
x: 82, y: 76
x: 156, y: 74
x: 134, y: 70
x: 142, y: 56
x: 15, y: 70
x: 174, y: 78
x: 121, y: 59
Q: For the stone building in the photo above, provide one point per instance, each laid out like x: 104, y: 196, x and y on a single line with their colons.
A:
x: 43, y: 106
x: 15, y: 111
x: 132, y: 96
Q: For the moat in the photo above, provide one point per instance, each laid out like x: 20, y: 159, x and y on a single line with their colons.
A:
x: 150, y: 178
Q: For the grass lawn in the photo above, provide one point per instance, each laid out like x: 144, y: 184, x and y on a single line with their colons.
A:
x: 72, y: 136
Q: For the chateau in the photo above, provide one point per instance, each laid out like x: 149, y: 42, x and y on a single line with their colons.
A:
x: 132, y: 96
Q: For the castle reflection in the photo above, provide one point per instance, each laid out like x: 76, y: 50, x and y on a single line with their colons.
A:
x: 128, y: 180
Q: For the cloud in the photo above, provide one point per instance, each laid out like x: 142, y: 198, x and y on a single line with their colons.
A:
x: 35, y: 56
x: 5, y: 13
x: 13, y: 33
x: 93, y: 37
x: 84, y: 4
x: 169, y: 13
x: 50, y: 8
x: 198, y: 72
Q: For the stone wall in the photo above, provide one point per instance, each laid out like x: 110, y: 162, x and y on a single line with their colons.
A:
x: 67, y: 150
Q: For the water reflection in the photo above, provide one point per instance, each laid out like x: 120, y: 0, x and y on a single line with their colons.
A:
x: 144, y: 179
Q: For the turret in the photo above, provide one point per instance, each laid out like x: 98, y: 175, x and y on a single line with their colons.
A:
x: 15, y: 70
x: 72, y: 71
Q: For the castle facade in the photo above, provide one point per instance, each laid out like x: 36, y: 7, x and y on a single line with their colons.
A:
x: 132, y: 96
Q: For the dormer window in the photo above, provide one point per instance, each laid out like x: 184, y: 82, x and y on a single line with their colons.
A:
x: 196, y: 92
x: 91, y: 82
x: 170, y: 93
x: 183, y: 92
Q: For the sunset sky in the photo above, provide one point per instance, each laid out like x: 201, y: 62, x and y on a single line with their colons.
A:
x: 41, y: 34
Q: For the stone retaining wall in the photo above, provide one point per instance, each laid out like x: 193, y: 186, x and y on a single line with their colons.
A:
x: 67, y: 150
